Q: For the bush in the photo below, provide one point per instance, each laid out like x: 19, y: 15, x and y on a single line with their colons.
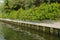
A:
x: 43, y: 12
x: 13, y: 14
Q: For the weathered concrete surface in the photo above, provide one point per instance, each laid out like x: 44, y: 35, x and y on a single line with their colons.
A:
x: 51, y: 28
x: 52, y: 25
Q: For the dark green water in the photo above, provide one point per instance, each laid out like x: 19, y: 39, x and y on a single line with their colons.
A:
x: 7, y: 33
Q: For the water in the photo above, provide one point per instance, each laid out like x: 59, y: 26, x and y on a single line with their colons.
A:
x: 8, y: 32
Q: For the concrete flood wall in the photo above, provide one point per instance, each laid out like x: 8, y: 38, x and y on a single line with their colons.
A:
x: 40, y: 28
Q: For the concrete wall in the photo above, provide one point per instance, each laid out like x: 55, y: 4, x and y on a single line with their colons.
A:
x: 40, y: 28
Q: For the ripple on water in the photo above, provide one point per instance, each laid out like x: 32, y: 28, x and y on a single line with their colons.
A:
x: 1, y: 34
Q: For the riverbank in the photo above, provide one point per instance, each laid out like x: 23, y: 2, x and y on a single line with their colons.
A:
x: 9, y: 34
x: 49, y: 24
x: 51, y: 28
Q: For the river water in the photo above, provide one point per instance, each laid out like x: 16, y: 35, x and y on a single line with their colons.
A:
x: 7, y: 33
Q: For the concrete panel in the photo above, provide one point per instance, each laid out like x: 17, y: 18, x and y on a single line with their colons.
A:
x: 59, y: 32
x: 51, y: 30
x: 47, y: 29
x: 43, y: 29
x: 40, y: 28
x: 55, y: 31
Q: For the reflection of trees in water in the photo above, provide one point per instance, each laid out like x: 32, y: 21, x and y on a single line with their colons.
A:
x: 13, y: 35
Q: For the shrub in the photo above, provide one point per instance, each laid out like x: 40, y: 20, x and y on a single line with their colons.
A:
x: 42, y: 12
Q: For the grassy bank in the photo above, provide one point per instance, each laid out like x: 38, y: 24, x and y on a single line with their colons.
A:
x: 43, y: 12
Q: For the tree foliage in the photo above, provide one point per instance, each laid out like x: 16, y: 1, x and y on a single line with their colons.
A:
x: 42, y: 12
x: 17, y: 4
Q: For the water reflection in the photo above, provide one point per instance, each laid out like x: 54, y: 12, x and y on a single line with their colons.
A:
x: 1, y: 34
x: 9, y: 34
